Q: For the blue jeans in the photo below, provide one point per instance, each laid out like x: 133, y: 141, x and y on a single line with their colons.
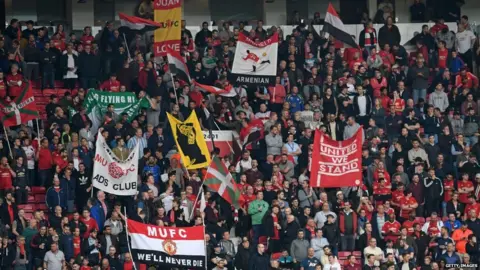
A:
x: 471, y: 140
x: 43, y: 177
x: 419, y: 93
x: 257, y: 232
x: 87, y: 83
x: 48, y: 78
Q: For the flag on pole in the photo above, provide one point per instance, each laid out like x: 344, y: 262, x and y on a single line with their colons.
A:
x: 203, y: 203
x: 20, y: 110
x: 335, y: 27
x: 137, y: 23
x: 190, y: 141
x: 219, y: 179
x: 177, y: 65
x: 230, y: 92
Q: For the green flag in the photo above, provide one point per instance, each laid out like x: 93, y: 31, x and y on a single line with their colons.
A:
x: 96, y: 103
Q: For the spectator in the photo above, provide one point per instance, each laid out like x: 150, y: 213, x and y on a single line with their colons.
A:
x: 417, y: 12
x: 389, y: 33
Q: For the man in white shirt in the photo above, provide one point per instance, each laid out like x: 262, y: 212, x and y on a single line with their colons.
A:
x: 464, y: 40
x: 54, y: 258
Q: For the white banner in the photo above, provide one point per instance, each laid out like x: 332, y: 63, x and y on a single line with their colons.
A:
x: 113, y: 175
x: 255, y: 62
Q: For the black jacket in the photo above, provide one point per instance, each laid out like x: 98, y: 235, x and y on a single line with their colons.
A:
x: 290, y: 233
x: 64, y: 63
x: 88, y: 65
x: 47, y: 60
x: 259, y: 262
x: 332, y: 233
x: 433, y: 187
x: 242, y: 258
x: 389, y: 36
x: 5, y: 216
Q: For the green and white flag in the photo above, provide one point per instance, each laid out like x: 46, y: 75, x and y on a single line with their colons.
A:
x: 96, y: 103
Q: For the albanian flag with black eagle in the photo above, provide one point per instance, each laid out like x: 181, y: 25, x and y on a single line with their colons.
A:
x: 19, y: 110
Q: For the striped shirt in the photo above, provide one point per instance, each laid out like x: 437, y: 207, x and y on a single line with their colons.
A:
x: 133, y: 142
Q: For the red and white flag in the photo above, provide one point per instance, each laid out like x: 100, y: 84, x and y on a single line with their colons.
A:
x: 336, y: 163
x: 177, y: 65
x: 215, y: 90
x: 255, y: 63
x: 334, y: 26
x: 168, y: 246
x: 137, y: 23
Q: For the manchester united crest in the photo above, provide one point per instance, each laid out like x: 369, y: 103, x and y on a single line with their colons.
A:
x: 169, y: 247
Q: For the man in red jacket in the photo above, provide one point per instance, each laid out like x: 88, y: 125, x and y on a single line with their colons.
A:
x: 111, y: 85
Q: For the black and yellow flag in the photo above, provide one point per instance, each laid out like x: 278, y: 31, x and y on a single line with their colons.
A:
x: 190, y: 141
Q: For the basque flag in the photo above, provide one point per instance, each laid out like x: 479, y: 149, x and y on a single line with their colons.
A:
x: 177, y: 65
x: 137, y: 23
x: 230, y: 92
x: 335, y: 27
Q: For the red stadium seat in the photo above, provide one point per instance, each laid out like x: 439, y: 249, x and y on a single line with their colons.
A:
x: 276, y: 256
x: 40, y: 198
x: 42, y: 206
x: 49, y: 92
x: 262, y: 240
x: 26, y: 207
x: 344, y: 254
x: 31, y: 199
x: 38, y: 190
x: 357, y: 254
x: 28, y: 215
x: 420, y: 220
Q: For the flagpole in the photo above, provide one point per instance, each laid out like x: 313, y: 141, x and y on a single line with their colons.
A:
x: 196, y: 200
x: 205, y: 241
x: 229, y: 145
x: 38, y: 131
x: 128, y: 241
x: 173, y: 84
x: 126, y: 46
x: 8, y: 142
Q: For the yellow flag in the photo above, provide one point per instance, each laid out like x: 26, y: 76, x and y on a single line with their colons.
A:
x: 190, y: 141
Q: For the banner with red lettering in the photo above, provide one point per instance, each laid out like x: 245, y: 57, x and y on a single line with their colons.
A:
x: 169, y: 14
x: 175, y: 247
x: 112, y: 174
x: 336, y: 163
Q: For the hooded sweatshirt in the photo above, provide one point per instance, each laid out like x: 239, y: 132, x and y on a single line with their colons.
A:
x: 439, y: 99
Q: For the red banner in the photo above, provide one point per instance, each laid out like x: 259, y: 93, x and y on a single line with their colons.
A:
x: 336, y: 163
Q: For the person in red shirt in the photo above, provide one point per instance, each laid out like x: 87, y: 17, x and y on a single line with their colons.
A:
x: 195, y: 95
x: 14, y: 82
x: 408, y: 204
x: 381, y: 172
x: 377, y: 83
x: 45, y: 161
x: 277, y: 96
x: 472, y: 205
x: 442, y: 58
x: 391, y: 229
x: 410, y: 223
x: 387, y: 57
x: 3, y: 87
x: 147, y: 76
x: 381, y: 192
x: 464, y: 188
x: 87, y: 38
x: 464, y: 79
x: 89, y: 222
x: 61, y: 160
x: 398, y: 195
x: 439, y: 26
x: 448, y: 187
x: 6, y: 175
x: 111, y: 85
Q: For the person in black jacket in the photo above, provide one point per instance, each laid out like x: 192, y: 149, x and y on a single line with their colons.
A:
x: 201, y: 37
x: 88, y: 68
x: 389, y: 34
x: 69, y: 68
x: 242, y: 258
x: 9, y: 206
x: 259, y: 260
x: 332, y: 233
x: 48, y: 60
x: 433, y: 192
x: 38, y: 247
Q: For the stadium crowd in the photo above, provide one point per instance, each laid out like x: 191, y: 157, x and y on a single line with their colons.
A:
x: 418, y: 205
